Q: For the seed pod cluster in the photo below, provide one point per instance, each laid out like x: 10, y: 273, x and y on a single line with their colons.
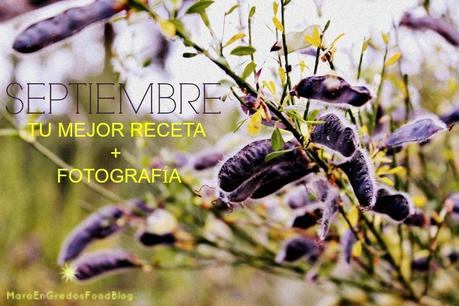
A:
x: 54, y: 29
x: 418, y: 131
x: 437, y: 25
x: 247, y: 174
x: 99, y: 225
x: 103, y: 262
x: 332, y: 89
x: 359, y: 171
x: 395, y: 205
x: 335, y: 134
x: 298, y: 248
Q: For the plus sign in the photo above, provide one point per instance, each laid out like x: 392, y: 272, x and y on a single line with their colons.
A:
x: 115, y: 153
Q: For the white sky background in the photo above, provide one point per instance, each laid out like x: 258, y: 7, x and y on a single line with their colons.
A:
x: 83, y: 54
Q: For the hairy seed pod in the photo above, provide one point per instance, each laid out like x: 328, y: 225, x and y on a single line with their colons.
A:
x: 208, y: 160
x: 307, y: 218
x: 149, y: 239
x: 297, y: 248
x: 329, y: 213
x: 451, y: 118
x: 360, y: 174
x: 12, y: 9
x: 102, y: 262
x: 395, y: 205
x: 247, y: 174
x: 334, y: 134
x: 54, y: 29
x: 437, y: 25
x: 98, y: 225
x: 331, y: 89
x: 347, y: 244
x: 418, y: 131
x: 417, y: 218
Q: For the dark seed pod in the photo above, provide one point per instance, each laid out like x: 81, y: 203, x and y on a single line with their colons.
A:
x: 139, y: 207
x: 334, y: 134
x: 395, y: 205
x: 11, y: 9
x: 438, y: 25
x: 417, y: 218
x: 98, y: 225
x: 247, y: 174
x: 208, y: 160
x: 331, y: 89
x: 453, y: 256
x: 451, y: 118
x: 149, y: 239
x: 297, y: 248
x: 307, y: 218
x: 54, y: 29
x: 418, y: 131
x: 99, y: 263
x: 347, y: 244
x: 420, y: 264
x: 360, y: 174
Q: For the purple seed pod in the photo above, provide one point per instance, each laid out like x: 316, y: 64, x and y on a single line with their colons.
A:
x: 139, y: 207
x: 307, y: 218
x: 437, y: 25
x: 208, y: 160
x: 335, y: 134
x: 180, y: 160
x: 347, y: 243
x: 451, y: 118
x: 49, y: 31
x: 149, y: 239
x: 420, y: 264
x: 331, y: 89
x: 102, y: 262
x: 329, y: 213
x: 12, y: 9
x: 359, y: 171
x: 297, y: 248
x: 98, y: 225
x: 418, y: 131
x: 395, y: 205
x: 247, y: 174
x: 417, y: 218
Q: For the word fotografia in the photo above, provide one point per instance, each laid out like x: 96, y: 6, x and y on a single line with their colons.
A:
x: 118, y: 176
x: 112, y: 98
x: 118, y: 129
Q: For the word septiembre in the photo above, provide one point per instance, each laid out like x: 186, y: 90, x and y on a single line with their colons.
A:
x: 118, y: 129
x: 112, y: 98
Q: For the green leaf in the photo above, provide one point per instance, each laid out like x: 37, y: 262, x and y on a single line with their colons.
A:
x: 231, y: 9
x: 199, y: 7
x: 248, y: 70
x: 243, y: 50
x: 277, y: 142
x: 253, y: 9
x: 276, y: 154
x: 234, y: 38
